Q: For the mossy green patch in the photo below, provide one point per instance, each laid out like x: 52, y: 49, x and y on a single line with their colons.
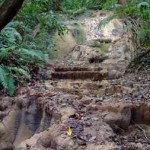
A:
x: 78, y: 33
x: 101, y: 46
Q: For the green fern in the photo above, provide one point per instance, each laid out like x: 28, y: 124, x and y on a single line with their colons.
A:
x: 32, y: 54
x: 19, y: 72
x: 3, y: 77
x: 7, y: 81
x: 4, y: 53
x: 17, y: 58
x: 106, y: 20
x: 10, y: 86
x: 8, y: 76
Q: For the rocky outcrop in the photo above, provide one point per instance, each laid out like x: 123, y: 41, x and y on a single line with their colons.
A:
x: 108, y: 47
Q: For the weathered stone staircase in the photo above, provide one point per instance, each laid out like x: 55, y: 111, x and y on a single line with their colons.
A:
x: 81, y: 97
x: 82, y: 73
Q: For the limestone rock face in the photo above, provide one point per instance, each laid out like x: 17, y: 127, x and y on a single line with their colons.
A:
x: 113, y: 29
x: 106, y: 47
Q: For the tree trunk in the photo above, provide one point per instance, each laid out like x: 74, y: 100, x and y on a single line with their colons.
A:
x: 8, y: 10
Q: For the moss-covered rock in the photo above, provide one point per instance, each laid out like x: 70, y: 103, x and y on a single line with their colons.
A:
x: 78, y: 33
x: 101, y: 46
x: 64, y: 44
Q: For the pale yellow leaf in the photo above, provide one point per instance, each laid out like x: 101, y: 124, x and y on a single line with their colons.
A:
x: 69, y: 131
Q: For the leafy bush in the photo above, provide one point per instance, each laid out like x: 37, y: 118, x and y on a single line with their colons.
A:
x: 31, y: 11
x: 136, y: 16
x: 17, y: 60
x: 40, y: 12
x: 77, y: 7
x: 26, y: 43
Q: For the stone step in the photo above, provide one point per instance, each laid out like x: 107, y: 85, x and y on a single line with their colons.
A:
x: 94, y: 75
x: 76, y: 68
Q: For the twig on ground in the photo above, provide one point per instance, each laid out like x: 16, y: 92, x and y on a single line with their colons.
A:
x: 139, y: 127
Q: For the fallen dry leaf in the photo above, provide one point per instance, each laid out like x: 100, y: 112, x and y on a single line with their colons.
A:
x: 69, y: 131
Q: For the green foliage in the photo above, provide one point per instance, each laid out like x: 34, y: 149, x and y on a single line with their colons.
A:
x: 16, y: 59
x: 77, y: 7
x: 93, y: 4
x: 26, y: 43
x: 31, y: 11
x: 6, y: 80
x: 40, y: 12
x: 73, y: 8
x: 136, y: 16
x: 74, y: 5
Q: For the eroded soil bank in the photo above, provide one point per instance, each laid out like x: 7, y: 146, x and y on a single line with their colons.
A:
x: 107, y: 114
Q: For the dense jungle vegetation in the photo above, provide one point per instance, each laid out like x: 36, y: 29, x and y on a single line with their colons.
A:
x: 26, y: 43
